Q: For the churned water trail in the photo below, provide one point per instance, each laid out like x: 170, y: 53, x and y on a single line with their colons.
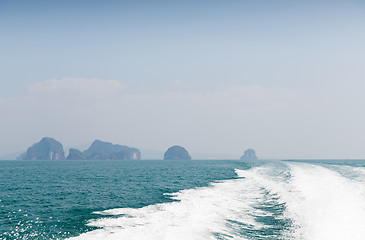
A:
x: 273, y: 201
x: 231, y: 209
x: 320, y: 202
x: 325, y: 204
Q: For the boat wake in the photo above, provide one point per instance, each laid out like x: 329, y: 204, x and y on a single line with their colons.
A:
x: 274, y: 201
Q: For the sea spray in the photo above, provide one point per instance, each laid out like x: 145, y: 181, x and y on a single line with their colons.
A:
x: 230, y: 209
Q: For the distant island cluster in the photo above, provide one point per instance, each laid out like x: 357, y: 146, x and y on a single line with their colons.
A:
x: 51, y: 149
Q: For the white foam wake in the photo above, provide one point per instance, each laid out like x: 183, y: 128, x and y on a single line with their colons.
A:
x: 320, y: 203
x: 325, y: 205
x: 200, y: 213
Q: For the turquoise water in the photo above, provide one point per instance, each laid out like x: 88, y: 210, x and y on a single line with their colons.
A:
x: 311, y: 200
x: 49, y: 199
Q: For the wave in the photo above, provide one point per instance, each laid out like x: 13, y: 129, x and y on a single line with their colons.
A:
x: 273, y: 201
x: 325, y: 204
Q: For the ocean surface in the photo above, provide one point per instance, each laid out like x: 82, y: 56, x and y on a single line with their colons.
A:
x: 309, y: 200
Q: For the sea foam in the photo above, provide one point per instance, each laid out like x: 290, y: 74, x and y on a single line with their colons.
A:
x: 325, y: 204
x: 319, y: 204
x: 220, y: 210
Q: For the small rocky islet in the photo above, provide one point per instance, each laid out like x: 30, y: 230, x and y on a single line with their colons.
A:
x: 46, y: 149
x: 176, y: 153
x: 249, y: 155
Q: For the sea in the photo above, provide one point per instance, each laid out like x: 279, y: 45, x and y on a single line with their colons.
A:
x: 187, y: 200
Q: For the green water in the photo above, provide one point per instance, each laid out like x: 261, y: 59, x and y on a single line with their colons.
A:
x: 55, y: 199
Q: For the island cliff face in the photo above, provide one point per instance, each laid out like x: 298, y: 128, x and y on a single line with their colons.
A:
x: 100, y: 150
x: 75, y: 154
x: 46, y: 149
x: 249, y: 154
x: 176, y: 153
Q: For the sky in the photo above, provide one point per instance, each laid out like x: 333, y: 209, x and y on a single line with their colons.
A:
x: 286, y: 78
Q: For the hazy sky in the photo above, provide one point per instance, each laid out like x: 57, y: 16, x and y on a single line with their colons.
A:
x: 286, y: 78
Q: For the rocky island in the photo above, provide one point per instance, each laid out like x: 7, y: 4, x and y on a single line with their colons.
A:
x: 46, y: 149
x: 249, y: 154
x: 100, y: 150
x: 176, y: 153
x: 74, y: 154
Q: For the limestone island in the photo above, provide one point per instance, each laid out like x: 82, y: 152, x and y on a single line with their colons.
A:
x: 176, y: 153
x: 100, y: 150
x: 46, y: 149
x: 249, y: 154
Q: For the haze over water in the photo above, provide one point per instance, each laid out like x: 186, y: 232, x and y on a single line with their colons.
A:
x: 285, y: 78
